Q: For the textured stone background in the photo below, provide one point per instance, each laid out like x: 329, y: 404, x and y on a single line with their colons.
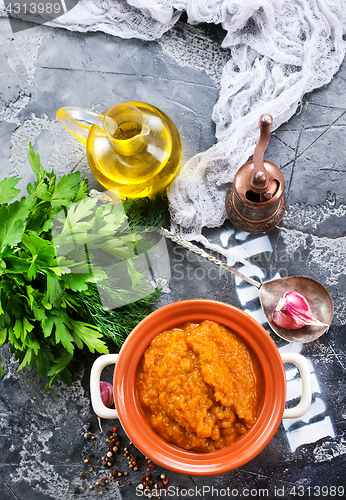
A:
x: 42, y: 69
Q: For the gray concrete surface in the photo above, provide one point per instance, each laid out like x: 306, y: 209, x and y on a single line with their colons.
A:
x: 43, y: 69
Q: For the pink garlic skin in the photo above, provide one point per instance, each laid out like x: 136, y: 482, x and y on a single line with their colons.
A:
x: 106, y: 390
x: 293, y: 312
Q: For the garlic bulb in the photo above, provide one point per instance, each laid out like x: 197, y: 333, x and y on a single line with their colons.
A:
x: 293, y: 312
x: 106, y: 390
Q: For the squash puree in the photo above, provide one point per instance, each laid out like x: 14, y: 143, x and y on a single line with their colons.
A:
x: 199, y: 387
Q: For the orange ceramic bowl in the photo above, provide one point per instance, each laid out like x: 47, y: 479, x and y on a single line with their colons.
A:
x: 154, y: 446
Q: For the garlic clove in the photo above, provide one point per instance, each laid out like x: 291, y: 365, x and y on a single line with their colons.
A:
x: 293, y: 312
x: 106, y: 390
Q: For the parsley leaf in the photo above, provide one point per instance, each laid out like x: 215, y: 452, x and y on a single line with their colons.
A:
x: 7, y: 189
x: 90, y: 335
x: 66, y: 189
x: 34, y: 160
x: 12, y: 222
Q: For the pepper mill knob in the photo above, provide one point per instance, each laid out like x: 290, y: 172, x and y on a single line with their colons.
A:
x: 266, y: 120
x: 259, y: 177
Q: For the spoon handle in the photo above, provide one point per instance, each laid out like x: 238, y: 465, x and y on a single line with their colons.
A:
x: 202, y: 253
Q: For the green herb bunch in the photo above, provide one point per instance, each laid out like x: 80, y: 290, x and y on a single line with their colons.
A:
x: 54, y: 246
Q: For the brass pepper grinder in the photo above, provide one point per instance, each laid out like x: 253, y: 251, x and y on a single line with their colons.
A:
x: 256, y: 202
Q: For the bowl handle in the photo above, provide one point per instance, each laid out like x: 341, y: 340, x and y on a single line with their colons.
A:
x: 99, y: 408
x: 305, y: 401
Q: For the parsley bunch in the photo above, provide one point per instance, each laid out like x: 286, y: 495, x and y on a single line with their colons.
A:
x: 54, y: 246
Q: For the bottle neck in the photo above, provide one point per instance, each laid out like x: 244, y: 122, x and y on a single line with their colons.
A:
x: 125, y: 129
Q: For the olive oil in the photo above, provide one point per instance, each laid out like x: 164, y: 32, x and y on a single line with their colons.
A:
x: 137, y: 159
x: 127, y: 130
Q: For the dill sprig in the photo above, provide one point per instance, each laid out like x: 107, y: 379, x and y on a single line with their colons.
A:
x: 115, y: 324
x: 146, y: 211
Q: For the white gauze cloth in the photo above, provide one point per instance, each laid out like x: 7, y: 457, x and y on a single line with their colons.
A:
x: 280, y: 50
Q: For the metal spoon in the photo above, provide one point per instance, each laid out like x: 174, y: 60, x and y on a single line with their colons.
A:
x: 270, y: 292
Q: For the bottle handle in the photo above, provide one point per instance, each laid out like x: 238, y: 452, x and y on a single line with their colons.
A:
x: 305, y: 401
x: 99, y: 408
x: 72, y: 119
